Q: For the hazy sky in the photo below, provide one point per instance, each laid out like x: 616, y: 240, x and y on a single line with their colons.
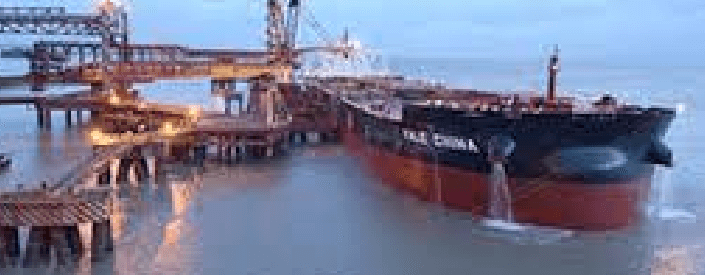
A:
x: 643, y: 31
x: 629, y: 30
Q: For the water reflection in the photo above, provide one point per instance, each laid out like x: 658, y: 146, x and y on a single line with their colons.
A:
x: 320, y: 212
x: 326, y: 214
x: 677, y: 259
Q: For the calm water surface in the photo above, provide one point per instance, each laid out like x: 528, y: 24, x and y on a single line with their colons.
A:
x: 318, y: 211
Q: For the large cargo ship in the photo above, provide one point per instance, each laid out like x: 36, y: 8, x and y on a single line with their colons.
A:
x: 540, y: 160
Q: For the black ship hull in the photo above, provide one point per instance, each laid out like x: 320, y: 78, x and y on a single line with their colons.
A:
x: 589, y: 171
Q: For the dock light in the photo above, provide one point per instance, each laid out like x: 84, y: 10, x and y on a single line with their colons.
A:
x: 680, y: 108
x: 108, y: 5
x: 99, y: 138
x: 167, y: 129
x: 96, y: 134
x: 114, y: 99
x: 194, y: 111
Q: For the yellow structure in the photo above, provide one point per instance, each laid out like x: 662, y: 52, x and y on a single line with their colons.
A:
x: 149, y: 71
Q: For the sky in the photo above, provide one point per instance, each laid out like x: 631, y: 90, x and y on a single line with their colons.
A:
x: 631, y: 31
x: 626, y: 30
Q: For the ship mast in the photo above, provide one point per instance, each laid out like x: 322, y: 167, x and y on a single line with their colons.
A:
x: 552, y: 71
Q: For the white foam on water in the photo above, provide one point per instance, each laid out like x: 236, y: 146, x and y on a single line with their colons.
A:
x: 524, y: 233
x: 667, y: 213
x: 504, y: 225
x: 663, y: 209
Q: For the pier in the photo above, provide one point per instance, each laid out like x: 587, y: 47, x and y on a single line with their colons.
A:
x: 132, y: 136
x: 102, y: 179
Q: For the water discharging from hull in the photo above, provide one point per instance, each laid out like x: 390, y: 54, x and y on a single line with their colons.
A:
x: 500, y: 198
x: 501, y: 218
x: 499, y: 213
x: 664, y: 209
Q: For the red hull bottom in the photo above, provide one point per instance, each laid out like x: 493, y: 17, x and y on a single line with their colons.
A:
x: 558, y: 203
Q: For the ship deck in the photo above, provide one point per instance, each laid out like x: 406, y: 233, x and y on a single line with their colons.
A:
x: 384, y: 103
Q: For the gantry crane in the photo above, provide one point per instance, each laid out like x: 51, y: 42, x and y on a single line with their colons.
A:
x: 113, y: 65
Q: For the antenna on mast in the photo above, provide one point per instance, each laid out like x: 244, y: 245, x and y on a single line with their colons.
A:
x: 346, y: 42
x: 552, y: 71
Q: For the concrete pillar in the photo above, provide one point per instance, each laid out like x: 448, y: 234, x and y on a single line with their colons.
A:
x: 101, y: 240
x: 256, y: 151
x: 67, y: 243
x: 79, y: 117
x: 9, y: 245
x: 40, y: 117
x: 332, y: 136
x: 47, y: 118
x: 283, y: 146
x: 158, y: 168
x: 166, y: 149
x: 201, y: 156
x: 143, y: 169
x: 229, y: 152
x: 299, y: 138
x: 152, y: 167
x: 69, y: 119
x: 38, y: 248
x: 105, y: 178
x: 228, y: 106
x: 132, y: 173
x: 312, y: 137
x: 73, y: 235
x: 236, y: 152
x: 269, y: 106
x: 123, y: 170
x: 251, y: 151
x: 294, y: 138
x: 85, y: 231
x: 24, y: 238
x: 114, y: 169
